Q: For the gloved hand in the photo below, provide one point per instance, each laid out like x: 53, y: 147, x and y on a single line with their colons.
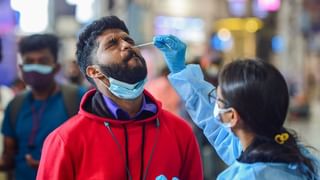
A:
x: 163, y: 177
x: 174, y: 51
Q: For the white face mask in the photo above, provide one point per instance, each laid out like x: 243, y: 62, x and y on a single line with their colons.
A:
x: 39, y: 68
x: 218, y: 111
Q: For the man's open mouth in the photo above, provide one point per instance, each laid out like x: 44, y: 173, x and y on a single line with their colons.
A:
x: 132, y: 55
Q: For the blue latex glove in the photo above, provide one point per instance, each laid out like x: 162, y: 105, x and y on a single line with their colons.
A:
x: 174, y: 51
x: 163, y: 177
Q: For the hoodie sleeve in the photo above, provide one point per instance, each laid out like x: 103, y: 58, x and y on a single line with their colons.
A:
x: 55, y: 163
x: 193, y: 90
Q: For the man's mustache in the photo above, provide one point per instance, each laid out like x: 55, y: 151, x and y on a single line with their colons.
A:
x: 132, y: 54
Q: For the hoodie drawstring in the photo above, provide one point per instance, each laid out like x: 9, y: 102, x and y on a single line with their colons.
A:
x: 143, y: 174
x: 120, y: 149
x: 142, y: 151
x: 127, y: 149
x: 153, y: 149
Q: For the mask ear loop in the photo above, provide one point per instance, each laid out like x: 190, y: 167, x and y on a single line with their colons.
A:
x: 221, y: 111
x: 226, y: 110
x: 98, y: 75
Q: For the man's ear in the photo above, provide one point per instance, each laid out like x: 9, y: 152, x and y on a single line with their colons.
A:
x: 92, y: 72
x: 57, y: 68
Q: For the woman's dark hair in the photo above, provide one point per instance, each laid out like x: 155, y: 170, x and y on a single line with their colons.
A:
x: 259, y: 93
x: 87, y: 39
x: 37, y: 42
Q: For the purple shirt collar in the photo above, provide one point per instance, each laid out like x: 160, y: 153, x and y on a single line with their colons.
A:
x: 117, y: 111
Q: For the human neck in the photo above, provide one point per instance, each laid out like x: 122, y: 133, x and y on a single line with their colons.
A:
x: 246, y: 138
x: 45, y: 93
x: 132, y: 107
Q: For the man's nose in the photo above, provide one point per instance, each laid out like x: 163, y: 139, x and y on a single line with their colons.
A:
x: 125, y: 45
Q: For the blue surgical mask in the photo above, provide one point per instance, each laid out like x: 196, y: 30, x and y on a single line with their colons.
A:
x: 42, y: 69
x: 125, y: 90
x: 218, y: 111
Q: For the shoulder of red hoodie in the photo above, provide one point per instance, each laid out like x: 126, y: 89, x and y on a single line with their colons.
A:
x: 87, y: 141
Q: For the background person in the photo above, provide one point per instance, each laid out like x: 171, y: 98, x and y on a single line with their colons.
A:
x: 33, y: 114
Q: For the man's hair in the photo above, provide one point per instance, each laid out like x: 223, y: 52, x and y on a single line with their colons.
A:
x: 87, y: 39
x: 37, y: 42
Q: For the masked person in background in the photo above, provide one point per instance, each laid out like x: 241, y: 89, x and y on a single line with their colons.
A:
x: 121, y: 131
x: 33, y: 114
x: 243, y: 117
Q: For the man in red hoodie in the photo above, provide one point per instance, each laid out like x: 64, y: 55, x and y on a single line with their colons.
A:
x: 121, y: 131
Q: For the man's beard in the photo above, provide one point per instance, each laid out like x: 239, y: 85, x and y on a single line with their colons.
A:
x: 123, y: 72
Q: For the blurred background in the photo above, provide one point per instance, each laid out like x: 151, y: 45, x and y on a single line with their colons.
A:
x: 285, y: 33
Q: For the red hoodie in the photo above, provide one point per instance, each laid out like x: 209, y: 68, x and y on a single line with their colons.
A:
x: 91, y: 147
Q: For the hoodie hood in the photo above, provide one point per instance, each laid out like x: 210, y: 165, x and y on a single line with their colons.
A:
x: 87, y: 109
